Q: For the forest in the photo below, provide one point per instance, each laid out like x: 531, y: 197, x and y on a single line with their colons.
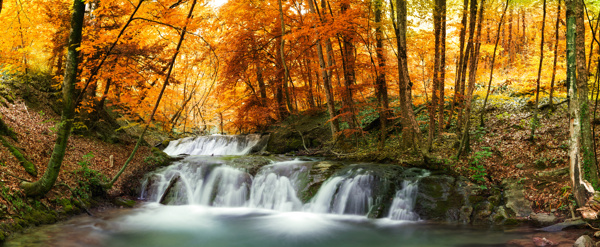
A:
x: 489, y: 90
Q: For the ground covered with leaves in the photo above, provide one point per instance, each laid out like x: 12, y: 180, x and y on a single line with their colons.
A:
x: 88, y: 161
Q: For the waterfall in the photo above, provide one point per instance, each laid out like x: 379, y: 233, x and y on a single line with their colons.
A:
x: 215, y: 145
x: 216, y: 184
x: 403, y: 205
x: 349, y: 193
x: 404, y: 202
x: 221, y: 182
x: 276, y: 186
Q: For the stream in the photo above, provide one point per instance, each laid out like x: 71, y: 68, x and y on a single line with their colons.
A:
x: 218, y: 196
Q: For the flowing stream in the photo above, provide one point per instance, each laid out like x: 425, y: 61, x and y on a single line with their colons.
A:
x: 211, y: 198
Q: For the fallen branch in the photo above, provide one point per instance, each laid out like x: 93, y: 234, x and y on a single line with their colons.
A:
x: 29, y: 167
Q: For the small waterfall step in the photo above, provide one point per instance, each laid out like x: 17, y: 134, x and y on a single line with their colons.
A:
x: 359, y: 189
x: 217, y: 145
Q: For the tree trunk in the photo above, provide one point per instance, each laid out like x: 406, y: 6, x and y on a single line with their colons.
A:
x: 535, y: 121
x: 555, y: 55
x: 286, y: 73
x: 464, y: 143
x: 349, y: 73
x: 442, y: 77
x: 482, y: 114
x: 582, y: 189
x: 326, y: 76
x: 436, y: 73
x: 461, y: 60
x: 381, y: 84
x: 411, y: 133
x: 467, y: 62
x: 261, y: 85
x: 171, y: 65
x: 45, y: 183
x: 587, y: 141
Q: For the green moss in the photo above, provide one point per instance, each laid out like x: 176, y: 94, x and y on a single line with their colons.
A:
x: 512, y: 222
x: 125, y: 202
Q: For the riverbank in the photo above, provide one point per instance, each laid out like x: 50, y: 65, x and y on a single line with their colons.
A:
x: 88, y: 160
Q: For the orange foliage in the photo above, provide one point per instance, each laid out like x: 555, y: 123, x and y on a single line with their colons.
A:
x: 229, y: 68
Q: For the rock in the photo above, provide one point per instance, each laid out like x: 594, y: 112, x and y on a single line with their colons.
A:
x: 542, y: 219
x: 554, y: 173
x: 482, y: 212
x: 563, y: 225
x: 465, y: 214
x: 543, y: 242
x: 125, y: 202
x: 584, y: 241
x: 515, y: 198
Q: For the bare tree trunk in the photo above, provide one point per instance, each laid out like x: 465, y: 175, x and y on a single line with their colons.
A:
x: 411, y: 134
x: 557, y: 26
x: 464, y: 142
x: 535, y: 121
x: 482, y: 114
x: 326, y: 76
x: 381, y: 84
x: 442, y: 77
x: 286, y: 73
x: 461, y: 60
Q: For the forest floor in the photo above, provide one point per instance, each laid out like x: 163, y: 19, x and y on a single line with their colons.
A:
x: 87, y: 160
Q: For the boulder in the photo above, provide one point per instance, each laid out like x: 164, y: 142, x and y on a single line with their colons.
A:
x: 514, y: 197
x: 542, y: 219
x: 584, y: 241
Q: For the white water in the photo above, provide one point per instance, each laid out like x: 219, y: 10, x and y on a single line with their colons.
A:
x: 346, y: 194
x: 213, y: 145
x: 404, y: 202
x: 275, y: 186
x: 209, y: 181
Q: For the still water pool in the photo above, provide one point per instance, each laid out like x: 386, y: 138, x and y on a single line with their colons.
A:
x: 190, y: 225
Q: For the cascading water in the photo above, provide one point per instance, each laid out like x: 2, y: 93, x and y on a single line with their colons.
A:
x: 214, y: 145
x: 402, y: 207
x: 276, y: 186
x: 349, y: 193
x: 252, y: 201
x: 213, y: 181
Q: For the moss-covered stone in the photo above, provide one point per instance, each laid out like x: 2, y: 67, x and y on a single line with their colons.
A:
x: 125, y: 202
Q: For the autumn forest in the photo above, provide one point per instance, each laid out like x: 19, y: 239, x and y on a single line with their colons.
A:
x: 486, y: 77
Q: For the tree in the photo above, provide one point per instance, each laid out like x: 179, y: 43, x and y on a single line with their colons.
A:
x: 45, y: 183
x: 474, y: 54
x: 380, y: 82
x: 165, y: 84
x: 583, y: 176
x: 462, y: 58
x: 487, y: 94
x: 551, y: 103
x: 410, y: 132
x: 535, y: 121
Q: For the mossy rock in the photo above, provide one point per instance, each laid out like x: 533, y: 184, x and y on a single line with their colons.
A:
x: 125, y: 202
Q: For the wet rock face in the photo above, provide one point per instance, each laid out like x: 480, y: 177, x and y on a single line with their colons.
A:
x: 447, y: 199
